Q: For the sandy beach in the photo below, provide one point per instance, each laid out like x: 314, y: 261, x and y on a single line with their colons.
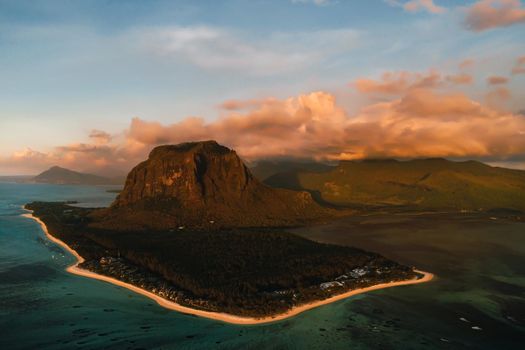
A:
x: 228, y: 318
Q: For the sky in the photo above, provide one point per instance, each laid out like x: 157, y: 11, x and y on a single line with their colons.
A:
x: 94, y: 85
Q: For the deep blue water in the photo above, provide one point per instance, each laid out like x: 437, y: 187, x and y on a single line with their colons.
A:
x: 481, y: 278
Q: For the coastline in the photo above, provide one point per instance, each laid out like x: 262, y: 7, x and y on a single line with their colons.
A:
x: 227, y: 318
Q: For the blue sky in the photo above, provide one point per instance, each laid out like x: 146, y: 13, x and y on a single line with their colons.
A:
x: 68, y: 67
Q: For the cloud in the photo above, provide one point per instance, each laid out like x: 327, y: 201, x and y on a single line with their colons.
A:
x: 427, y: 5
x: 28, y: 154
x: 518, y: 70
x: 258, y: 132
x: 99, y: 136
x: 315, y: 2
x: 424, y: 102
x: 218, y: 49
x: 421, y: 122
x: 498, y: 97
x: 418, y: 5
x: 497, y: 80
x: 460, y: 79
x: 235, y: 105
x: 490, y: 14
x: 396, y: 83
x: 519, y: 66
x: 467, y: 63
x: 26, y: 161
x: 108, y: 159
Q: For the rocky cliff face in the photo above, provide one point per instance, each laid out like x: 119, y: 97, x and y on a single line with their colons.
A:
x: 202, y: 185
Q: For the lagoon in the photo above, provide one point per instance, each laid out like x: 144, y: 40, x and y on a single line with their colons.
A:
x: 477, y: 300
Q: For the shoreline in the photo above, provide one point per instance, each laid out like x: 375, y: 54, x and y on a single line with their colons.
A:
x: 224, y: 317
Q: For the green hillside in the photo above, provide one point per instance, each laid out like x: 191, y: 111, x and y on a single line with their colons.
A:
x: 425, y: 183
x: 267, y: 168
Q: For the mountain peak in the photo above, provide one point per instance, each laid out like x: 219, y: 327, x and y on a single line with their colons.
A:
x: 203, y: 184
x: 209, y: 146
x: 56, y: 167
x: 191, y: 172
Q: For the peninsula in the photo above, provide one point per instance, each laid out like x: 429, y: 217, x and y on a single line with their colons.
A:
x: 195, y: 231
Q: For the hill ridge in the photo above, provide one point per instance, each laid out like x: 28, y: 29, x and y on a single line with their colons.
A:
x: 420, y: 183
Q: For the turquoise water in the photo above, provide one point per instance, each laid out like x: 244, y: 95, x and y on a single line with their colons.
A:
x: 480, y: 264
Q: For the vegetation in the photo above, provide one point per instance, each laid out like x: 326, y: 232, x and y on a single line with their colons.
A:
x: 245, y: 272
x: 425, y: 183
x: 266, y: 168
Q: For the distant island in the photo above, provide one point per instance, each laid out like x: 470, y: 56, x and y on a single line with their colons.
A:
x: 61, y: 176
x: 196, y: 231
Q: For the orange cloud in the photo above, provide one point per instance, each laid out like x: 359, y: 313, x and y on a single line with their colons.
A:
x: 420, y: 123
x: 519, y: 66
x: 99, y: 136
x: 497, y: 80
x: 395, y: 83
x: 427, y: 124
x: 428, y: 5
x: 459, y: 79
x: 232, y: 105
x: 418, y: 5
x: 498, y: 97
x: 489, y: 14
x: 466, y: 63
x: 25, y: 161
x: 108, y: 159
x: 398, y: 83
x: 518, y: 70
x: 275, y: 128
x: 427, y: 103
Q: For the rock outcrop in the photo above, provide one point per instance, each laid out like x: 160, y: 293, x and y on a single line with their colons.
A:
x: 202, y: 185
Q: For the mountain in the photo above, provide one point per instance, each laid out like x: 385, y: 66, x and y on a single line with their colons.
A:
x: 266, y: 168
x: 422, y: 183
x: 63, y: 176
x: 202, y: 185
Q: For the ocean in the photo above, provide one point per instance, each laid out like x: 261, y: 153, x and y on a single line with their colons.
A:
x: 477, y: 300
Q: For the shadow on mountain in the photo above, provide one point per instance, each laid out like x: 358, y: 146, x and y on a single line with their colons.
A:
x: 289, y: 180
